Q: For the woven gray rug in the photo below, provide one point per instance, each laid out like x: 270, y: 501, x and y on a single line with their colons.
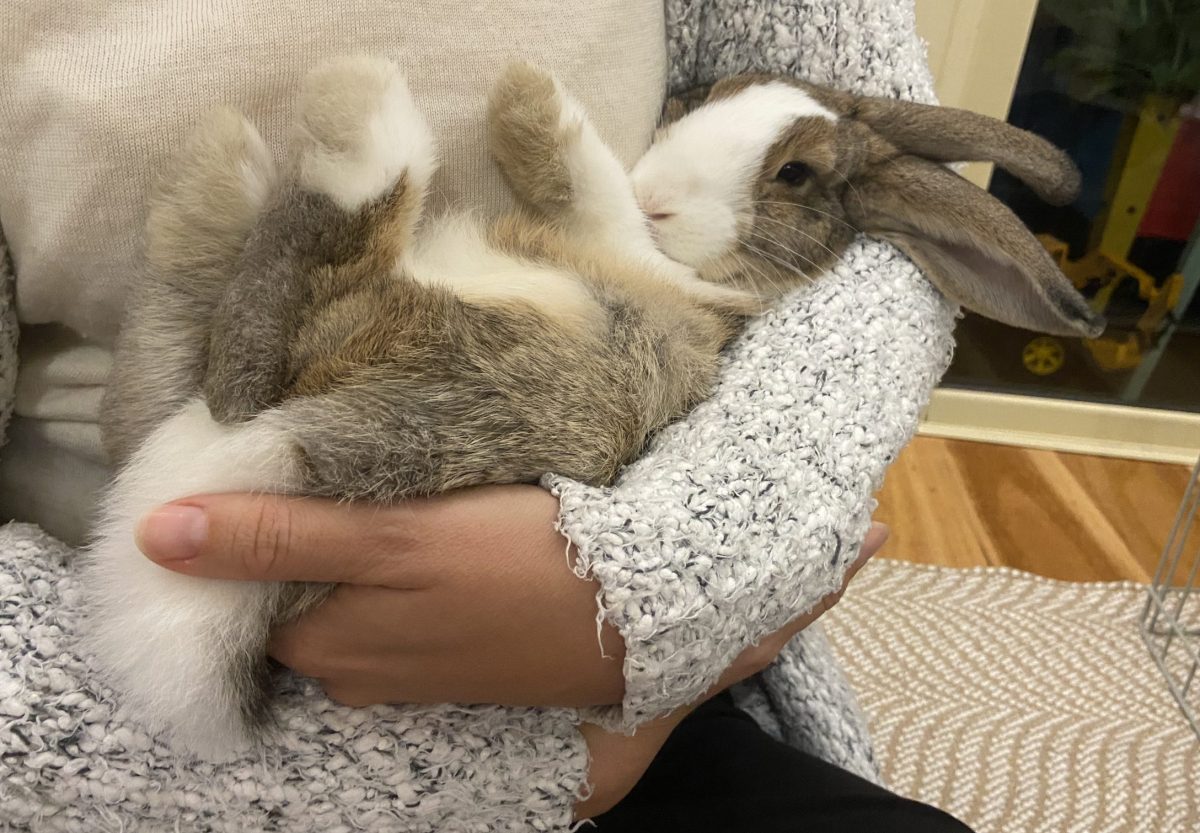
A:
x: 1017, y: 703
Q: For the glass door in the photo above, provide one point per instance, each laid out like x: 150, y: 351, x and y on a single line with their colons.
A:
x: 1115, y: 83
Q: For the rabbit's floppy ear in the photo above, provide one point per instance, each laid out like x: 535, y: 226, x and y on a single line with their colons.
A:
x: 973, y: 248
x: 946, y: 134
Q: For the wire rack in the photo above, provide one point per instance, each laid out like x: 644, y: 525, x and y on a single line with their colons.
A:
x: 1171, y: 617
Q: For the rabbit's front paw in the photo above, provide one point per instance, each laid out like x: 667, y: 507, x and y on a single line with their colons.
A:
x: 360, y: 131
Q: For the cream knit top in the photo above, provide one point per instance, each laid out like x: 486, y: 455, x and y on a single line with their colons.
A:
x: 96, y: 95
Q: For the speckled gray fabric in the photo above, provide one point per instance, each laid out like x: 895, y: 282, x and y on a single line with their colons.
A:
x: 869, y: 46
x: 70, y: 761
x: 737, y: 519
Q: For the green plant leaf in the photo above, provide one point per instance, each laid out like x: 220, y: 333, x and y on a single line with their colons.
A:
x: 1128, y: 49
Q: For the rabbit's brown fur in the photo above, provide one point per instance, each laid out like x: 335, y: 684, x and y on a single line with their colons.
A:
x: 526, y: 138
x: 425, y: 392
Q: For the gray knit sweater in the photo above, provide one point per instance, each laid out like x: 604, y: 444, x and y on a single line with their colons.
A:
x: 736, y: 520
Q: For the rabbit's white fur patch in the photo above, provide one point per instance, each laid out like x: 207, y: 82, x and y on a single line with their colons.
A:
x: 360, y: 131
x: 700, y: 174
x: 604, y: 206
x: 164, y: 640
x: 456, y: 255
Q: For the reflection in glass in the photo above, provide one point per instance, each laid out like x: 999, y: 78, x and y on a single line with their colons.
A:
x: 1113, y: 82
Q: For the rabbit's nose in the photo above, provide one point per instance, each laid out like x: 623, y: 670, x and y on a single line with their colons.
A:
x: 653, y: 207
x: 647, y: 200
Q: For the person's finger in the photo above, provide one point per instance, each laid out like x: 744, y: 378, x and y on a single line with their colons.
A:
x: 765, y: 652
x: 877, y: 536
x: 281, y: 538
x: 871, y: 544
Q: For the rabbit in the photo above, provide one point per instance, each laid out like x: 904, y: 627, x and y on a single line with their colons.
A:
x: 758, y: 180
x: 306, y: 331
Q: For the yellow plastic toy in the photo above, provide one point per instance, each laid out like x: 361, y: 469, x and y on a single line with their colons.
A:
x: 1142, y: 152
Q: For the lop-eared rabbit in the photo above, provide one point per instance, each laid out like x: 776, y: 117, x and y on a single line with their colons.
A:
x: 302, y: 331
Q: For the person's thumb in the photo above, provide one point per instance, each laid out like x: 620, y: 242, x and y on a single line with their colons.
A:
x: 276, y: 538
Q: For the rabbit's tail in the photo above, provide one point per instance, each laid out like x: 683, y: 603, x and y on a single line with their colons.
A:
x: 187, y: 655
x: 361, y: 159
x: 200, y: 214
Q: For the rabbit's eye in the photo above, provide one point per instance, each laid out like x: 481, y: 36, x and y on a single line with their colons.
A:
x: 794, y: 173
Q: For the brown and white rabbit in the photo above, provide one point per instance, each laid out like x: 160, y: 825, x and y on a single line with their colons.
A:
x: 300, y: 333
x: 769, y: 176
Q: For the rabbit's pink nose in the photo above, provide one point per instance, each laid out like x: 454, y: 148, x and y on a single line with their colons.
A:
x: 652, y: 204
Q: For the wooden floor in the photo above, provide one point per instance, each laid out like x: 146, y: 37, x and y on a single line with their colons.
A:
x: 1064, y: 516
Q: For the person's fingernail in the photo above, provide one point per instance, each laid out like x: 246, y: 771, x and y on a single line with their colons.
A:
x: 880, y: 530
x: 172, y: 533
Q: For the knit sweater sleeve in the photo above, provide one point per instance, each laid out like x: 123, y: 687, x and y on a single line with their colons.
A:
x: 747, y: 512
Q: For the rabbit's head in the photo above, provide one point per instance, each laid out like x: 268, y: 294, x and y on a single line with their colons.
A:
x: 763, y: 181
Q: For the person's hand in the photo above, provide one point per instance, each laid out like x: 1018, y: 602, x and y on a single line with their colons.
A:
x: 467, y: 597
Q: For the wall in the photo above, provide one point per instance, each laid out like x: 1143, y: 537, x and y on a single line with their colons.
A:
x: 975, y: 50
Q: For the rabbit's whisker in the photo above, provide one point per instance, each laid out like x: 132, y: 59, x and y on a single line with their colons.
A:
x: 828, y: 214
x: 751, y: 268
x: 762, y: 273
x: 748, y: 268
x: 801, y: 231
x: 861, y: 202
x: 780, y: 262
x: 772, y: 241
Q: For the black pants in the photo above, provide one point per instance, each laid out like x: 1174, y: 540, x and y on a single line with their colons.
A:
x: 720, y: 772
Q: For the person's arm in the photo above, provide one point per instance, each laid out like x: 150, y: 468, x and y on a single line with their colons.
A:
x: 465, y: 597
x: 751, y: 507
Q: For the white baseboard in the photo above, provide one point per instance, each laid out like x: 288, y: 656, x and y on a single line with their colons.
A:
x: 1064, y: 425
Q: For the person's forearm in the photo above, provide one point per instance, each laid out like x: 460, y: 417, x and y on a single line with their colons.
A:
x: 749, y: 511
x: 746, y: 512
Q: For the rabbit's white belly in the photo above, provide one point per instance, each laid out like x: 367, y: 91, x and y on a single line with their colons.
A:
x: 455, y: 254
